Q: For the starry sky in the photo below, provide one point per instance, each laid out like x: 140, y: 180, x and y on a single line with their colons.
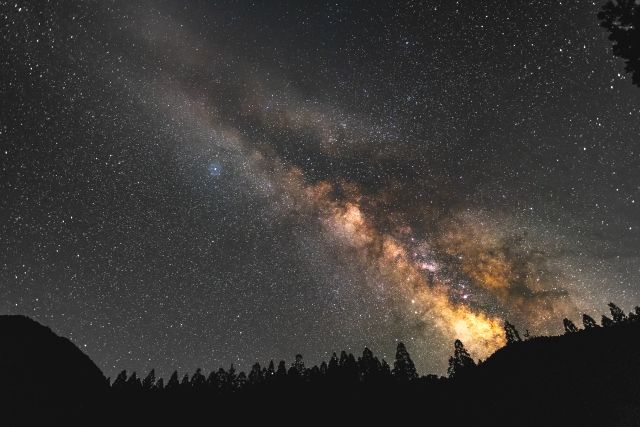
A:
x: 195, y: 184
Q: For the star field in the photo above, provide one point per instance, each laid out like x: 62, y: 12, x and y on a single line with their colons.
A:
x: 194, y: 184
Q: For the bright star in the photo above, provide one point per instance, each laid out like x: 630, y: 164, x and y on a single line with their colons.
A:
x: 215, y: 169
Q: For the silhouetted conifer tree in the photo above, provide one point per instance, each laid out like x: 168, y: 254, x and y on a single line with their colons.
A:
x: 461, y: 361
x: 198, y: 381
x: 606, y: 322
x: 282, y: 370
x: 569, y: 326
x: 343, y: 359
x: 622, y: 19
x: 385, y: 369
x: 185, y: 383
x: 589, y: 322
x: 313, y: 373
x: 231, y: 380
x: 403, y: 367
x: 271, y: 371
x: 368, y: 364
x: 256, y: 374
x: 351, y: 367
x: 133, y: 383
x: 173, y: 383
x: 212, y: 382
x: 323, y: 368
x: 333, y: 362
x: 511, y: 333
x: 121, y: 380
x: 149, y: 381
x: 240, y: 381
x: 617, y: 314
x: 159, y: 384
x: 221, y: 380
x: 298, y: 366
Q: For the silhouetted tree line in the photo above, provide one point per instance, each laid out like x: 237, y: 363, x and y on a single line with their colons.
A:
x: 366, y: 369
x: 346, y: 368
x: 617, y: 317
x: 343, y: 369
x: 563, y: 376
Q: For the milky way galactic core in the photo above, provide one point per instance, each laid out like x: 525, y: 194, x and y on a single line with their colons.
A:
x: 194, y: 184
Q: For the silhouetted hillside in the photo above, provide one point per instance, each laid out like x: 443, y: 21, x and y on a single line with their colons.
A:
x: 44, y: 379
x: 586, y: 377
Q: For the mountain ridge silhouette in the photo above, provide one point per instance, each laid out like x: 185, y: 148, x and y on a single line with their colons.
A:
x: 585, y: 377
x: 44, y: 377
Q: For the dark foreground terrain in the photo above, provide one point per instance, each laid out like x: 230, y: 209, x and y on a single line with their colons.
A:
x: 587, y: 377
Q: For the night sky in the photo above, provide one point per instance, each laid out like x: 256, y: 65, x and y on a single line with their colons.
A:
x: 195, y: 184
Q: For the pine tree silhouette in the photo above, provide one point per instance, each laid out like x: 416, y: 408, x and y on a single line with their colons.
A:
x: 369, y: 365
x: 185, y: 384
x: 606, y: 322
x: 230, y: 381
x: 212, y: 382
x: 149, y: 381
x: 511, y: 333
x: 385, y: 369
x: 403, y: 367
x: 133, y: 383
x: 121, y: 380
x: 351, y: 368
x: 256, y: 374
x: 298, y: 366
x: 159, y: 385
x: 333, y: 363
x: 589, y: 322
x: 240, y: 381
x: 313, y: 374
x: 222, y: 380
x: 173, y: 384
x: 617, y: 314
x: 461, y: 361
x: 622, y: 19
x: 569, y: 326
x: 343, y: 359
x: 198, y: 381
x: 282, y: 370
x: 271, y: 371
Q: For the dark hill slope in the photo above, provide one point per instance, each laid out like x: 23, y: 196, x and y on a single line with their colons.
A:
x: 587, y: 378
x: 591, y: 377
x: 45, y: 379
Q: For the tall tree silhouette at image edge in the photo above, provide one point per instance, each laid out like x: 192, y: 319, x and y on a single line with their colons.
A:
x: 622, y: 19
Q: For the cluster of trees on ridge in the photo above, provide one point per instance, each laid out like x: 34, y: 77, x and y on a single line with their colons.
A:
x: 366, y: 369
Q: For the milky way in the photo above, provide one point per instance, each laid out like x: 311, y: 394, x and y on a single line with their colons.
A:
x: 194, y: 185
